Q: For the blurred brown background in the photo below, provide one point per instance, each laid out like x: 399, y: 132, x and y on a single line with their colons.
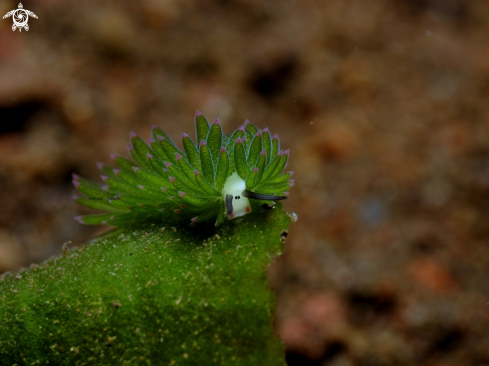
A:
x: 384, y: 105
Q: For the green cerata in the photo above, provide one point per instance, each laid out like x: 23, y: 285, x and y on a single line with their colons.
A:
x: 221, y: 177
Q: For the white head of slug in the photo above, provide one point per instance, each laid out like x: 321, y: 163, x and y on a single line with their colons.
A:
x: 236, y: 204
x: 237, y: 197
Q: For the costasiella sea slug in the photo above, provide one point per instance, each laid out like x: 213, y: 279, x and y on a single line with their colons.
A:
x: 219, y: 177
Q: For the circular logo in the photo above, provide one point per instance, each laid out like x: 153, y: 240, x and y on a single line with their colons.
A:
x: 20, y: 18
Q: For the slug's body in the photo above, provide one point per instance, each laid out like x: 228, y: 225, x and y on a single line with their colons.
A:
x: 220, y: 177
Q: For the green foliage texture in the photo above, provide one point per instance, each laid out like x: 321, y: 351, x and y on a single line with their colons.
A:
x: 151, y: 295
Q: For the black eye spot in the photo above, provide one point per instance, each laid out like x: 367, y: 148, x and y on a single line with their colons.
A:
x: 239, y: 197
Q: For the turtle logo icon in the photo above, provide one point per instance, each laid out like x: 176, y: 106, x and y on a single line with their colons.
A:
x: 20, y: 17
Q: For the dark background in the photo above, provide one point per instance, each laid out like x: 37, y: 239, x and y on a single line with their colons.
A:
x: 383, y: 104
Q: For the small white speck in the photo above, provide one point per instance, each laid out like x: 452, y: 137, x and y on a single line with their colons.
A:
x: 428, y: 33
x: 311, y: 122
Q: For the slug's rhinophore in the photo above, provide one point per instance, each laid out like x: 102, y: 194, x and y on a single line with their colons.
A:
x: 219, y: 177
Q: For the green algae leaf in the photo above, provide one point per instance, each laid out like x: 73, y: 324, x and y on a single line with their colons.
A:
x: 151, y: 295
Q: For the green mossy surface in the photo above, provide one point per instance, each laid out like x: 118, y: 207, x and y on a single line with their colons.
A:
x: 152, y: 295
